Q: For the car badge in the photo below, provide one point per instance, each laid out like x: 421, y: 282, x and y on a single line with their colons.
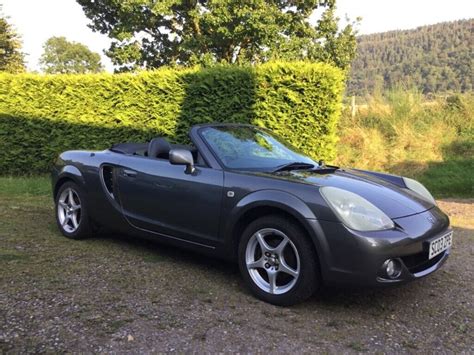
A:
x: 430, y: 219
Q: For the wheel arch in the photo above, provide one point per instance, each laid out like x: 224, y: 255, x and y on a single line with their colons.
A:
x: 269, y: 202
x: 68, y: 173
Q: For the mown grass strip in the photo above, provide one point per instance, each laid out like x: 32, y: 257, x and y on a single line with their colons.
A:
x: 33, y: 185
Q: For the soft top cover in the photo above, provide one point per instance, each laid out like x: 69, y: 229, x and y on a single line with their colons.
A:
x: 141, y: 148
x: 130, y: 148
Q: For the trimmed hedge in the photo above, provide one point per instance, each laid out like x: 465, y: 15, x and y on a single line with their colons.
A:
x: 43, y: 115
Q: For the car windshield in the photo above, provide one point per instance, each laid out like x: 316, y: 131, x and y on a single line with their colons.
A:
x: 250, y: 148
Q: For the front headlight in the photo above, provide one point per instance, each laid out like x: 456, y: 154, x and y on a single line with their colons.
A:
x: 417, y: 187
x: 354, y: 211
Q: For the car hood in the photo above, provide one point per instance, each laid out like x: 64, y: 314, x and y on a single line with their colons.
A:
x: 393, y: 200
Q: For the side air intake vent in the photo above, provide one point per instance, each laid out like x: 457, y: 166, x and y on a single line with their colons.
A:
x: 108, y: 179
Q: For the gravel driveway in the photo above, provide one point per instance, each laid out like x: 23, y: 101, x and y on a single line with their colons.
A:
x: 120, y: 294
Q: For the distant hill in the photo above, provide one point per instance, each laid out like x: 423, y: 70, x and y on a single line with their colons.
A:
x: 435, y: 58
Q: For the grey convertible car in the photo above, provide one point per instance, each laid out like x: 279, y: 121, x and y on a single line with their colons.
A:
x: 241, y: 193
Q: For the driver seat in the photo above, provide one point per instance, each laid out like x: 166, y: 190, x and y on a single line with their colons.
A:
x: 159, y: 148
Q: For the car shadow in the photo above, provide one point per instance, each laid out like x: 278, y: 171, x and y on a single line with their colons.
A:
x: 370, y: 300
x: 170, y: 253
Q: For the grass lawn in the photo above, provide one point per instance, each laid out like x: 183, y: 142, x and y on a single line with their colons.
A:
x: 404, y: 133
x: 33, y: 186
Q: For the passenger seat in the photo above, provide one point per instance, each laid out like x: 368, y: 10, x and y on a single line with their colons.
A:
x: 159, y: 148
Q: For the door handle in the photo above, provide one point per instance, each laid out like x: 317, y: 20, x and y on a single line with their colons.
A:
x: 129, y: 173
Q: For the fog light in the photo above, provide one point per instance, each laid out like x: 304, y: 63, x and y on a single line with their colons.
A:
x: 392, y: 268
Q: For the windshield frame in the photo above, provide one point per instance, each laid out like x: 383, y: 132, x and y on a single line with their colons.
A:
x: 278, y: 138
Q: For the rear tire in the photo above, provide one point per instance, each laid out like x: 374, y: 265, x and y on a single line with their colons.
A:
x: 72, y: 215
x: 277, y: 261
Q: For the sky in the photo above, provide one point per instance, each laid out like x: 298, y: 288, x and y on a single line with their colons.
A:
x: 38, y: 20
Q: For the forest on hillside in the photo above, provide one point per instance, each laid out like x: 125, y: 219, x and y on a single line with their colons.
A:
x: 435, y: 58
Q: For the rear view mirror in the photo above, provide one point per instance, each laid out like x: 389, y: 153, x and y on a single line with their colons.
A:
x: 182, y: 157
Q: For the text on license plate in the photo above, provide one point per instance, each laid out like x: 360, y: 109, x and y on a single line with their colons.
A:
x: 439, y: 245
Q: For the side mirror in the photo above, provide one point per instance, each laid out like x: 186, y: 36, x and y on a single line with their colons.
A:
x: 182, y: 157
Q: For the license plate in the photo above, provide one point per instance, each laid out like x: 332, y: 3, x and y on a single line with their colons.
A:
x: 439, y: 245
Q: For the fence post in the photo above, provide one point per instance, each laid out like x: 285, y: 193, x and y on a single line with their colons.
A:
x: 353, y: 106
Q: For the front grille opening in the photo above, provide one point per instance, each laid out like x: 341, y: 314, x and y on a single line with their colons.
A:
x: 419, y: 262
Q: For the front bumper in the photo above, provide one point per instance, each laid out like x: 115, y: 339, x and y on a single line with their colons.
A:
x: 352, y: 257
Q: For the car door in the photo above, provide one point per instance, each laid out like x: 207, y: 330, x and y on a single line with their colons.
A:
x: 161, y: 198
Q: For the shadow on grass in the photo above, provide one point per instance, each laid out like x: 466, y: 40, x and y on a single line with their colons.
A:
x: 453, y: 177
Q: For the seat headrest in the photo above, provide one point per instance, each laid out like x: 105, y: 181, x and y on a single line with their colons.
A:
x: 159, y: 148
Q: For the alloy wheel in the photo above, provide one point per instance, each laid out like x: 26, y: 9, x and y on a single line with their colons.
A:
x: 272, y: 261
x: 69, y: 210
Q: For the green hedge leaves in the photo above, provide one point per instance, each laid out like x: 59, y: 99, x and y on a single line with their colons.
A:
x: 43, y: 115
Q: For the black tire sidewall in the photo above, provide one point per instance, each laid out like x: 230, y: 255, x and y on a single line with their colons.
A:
x: 309, y: 279
x: 83, y: 231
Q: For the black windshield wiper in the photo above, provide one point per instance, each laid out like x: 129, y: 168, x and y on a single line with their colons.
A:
x: 293, y: 166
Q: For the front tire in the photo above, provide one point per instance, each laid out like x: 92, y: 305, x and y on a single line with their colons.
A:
x: 277, y: 261
x: 72, y: 215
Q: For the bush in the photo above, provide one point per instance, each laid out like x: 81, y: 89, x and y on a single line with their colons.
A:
x: 403, y: 133
x: 40, y: 116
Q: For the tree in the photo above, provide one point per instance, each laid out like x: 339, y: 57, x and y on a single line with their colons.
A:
x: 151, y: 33
x: 434, y: 58
x: 61, y: 56
x: 12, y: 60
